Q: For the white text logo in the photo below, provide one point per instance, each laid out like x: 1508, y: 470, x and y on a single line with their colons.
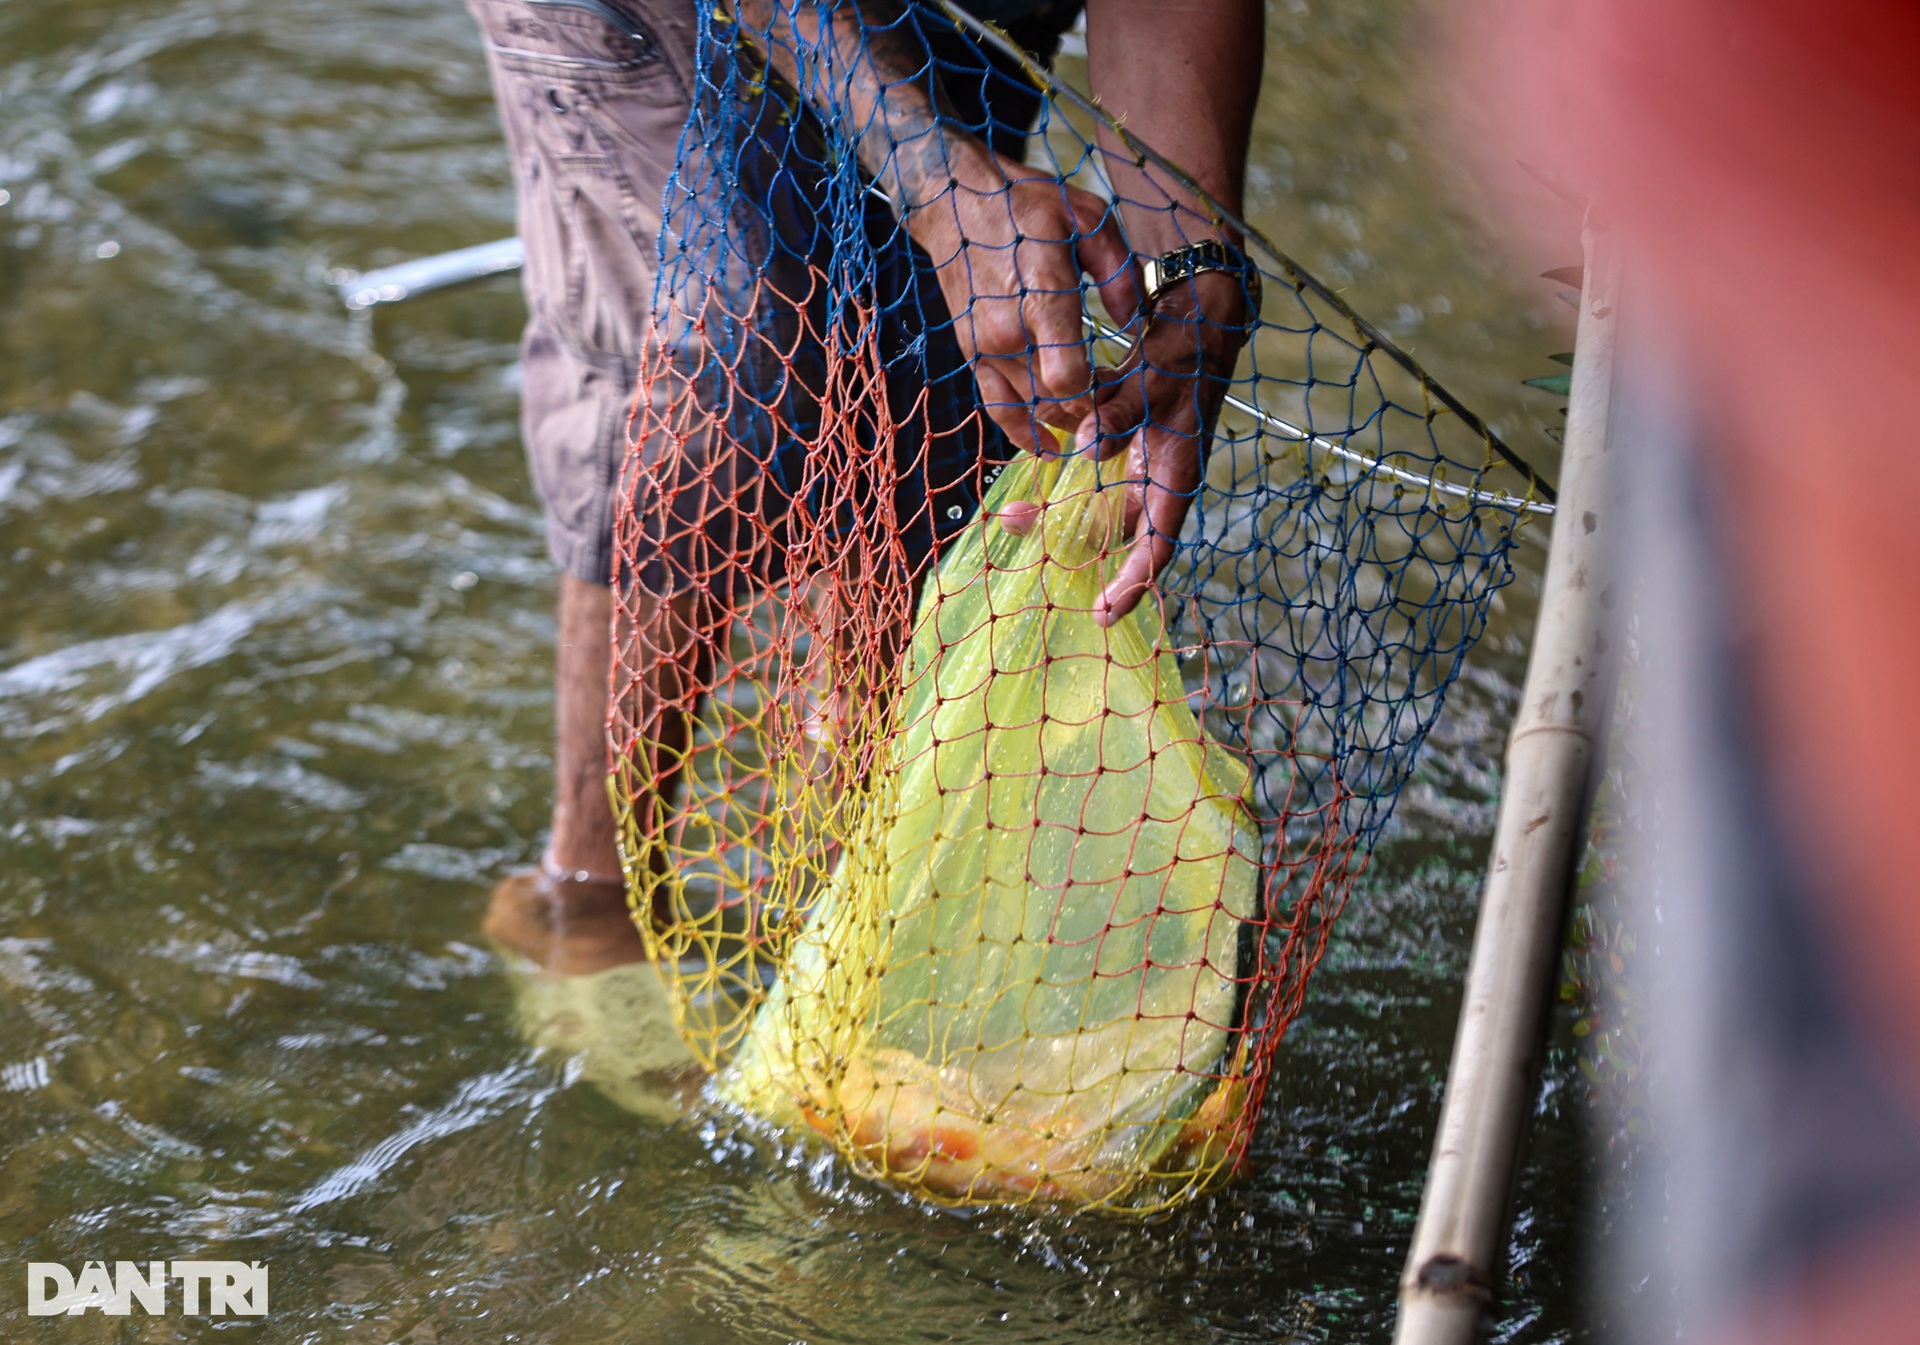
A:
x: 207, y: 1288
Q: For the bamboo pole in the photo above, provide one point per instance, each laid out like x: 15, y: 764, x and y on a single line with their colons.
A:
x: 1453, y: 1268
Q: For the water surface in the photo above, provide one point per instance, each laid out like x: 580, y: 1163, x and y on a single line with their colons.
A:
x: 274, y: 650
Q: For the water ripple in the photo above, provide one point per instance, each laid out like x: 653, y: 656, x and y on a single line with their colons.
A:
x: 477, y: 1101
x: 137, y: 663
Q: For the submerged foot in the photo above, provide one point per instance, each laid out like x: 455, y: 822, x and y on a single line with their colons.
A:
x: 617, y: 1031
x: 571, y: 925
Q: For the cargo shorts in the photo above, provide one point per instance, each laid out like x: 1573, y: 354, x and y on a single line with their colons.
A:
x: 593, y: 97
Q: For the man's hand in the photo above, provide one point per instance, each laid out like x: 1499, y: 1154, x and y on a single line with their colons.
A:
x: 1158, y: 408
x: 1184, y: 78
x: 1010, y: 245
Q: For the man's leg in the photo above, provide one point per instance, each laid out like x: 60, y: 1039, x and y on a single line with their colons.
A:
x: 565, y: 77
x: 583, y: 840
x: 570, y: 915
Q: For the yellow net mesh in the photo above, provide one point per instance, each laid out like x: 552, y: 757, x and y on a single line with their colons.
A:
x: 1007, y: 905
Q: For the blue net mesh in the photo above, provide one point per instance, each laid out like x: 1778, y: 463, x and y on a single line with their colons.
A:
x: 802, y: 500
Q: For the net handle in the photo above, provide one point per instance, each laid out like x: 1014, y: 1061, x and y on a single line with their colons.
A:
x: 1298, y: 275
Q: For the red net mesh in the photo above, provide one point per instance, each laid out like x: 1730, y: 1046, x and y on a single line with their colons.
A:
x: 1006, y: 903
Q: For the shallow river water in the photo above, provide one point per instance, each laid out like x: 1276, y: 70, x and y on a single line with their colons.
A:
x: 275, y: 641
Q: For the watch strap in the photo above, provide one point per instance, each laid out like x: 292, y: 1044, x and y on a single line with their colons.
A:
x: 1196, y: 259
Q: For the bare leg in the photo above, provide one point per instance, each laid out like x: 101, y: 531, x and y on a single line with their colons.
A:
x: 583, y: 830
x: 671, y: 659
x: 571, y: 914
x: 855, y: 656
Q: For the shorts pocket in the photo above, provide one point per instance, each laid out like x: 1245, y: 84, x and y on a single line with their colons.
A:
x: 593, y: 140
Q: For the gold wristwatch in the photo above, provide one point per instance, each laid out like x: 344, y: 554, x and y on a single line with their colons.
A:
x: 1195, y: 259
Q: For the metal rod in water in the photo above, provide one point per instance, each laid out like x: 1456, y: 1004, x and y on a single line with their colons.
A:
x: 1287, y: 430
x: 393, y: 283
x: 1453, y: 1269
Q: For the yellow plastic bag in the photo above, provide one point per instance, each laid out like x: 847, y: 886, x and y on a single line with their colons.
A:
x: 1027, y: 975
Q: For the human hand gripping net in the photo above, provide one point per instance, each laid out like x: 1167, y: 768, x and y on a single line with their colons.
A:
x: 1010, y: 900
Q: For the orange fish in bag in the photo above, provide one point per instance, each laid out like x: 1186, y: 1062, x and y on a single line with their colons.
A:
x: 1026, y: 978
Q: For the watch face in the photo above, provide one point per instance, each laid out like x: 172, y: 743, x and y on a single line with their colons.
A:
x: 1196, y: 259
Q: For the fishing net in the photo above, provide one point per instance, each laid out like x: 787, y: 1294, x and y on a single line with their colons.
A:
x: 1008, y: 904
